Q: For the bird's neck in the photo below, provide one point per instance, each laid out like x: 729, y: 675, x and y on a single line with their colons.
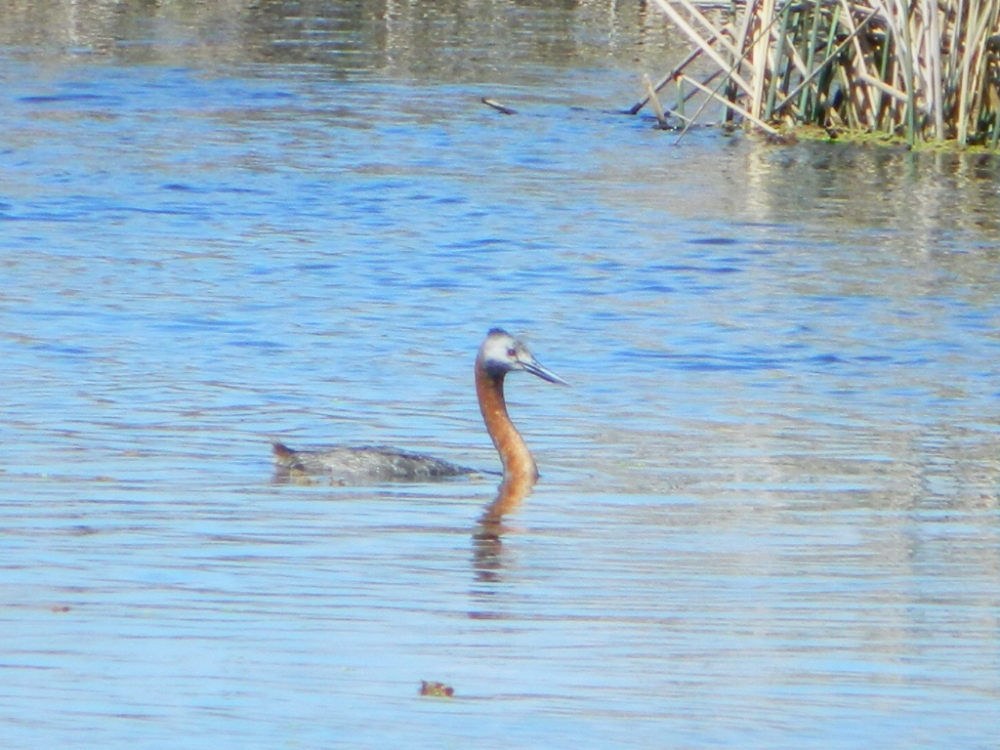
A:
x: 518, y: 465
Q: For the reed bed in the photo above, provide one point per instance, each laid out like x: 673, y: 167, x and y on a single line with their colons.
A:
x: 923, y: 70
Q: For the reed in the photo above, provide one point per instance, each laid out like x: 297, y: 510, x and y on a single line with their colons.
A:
x: 923, y: 70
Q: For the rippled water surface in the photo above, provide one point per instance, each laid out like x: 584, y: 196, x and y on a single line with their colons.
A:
x: 768, y: 513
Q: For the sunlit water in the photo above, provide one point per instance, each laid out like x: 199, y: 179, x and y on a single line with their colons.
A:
x: 768, y: 511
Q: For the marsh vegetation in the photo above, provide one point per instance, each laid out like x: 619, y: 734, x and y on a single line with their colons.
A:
x: 923, y: 71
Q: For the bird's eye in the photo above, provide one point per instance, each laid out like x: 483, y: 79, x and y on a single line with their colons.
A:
x: 512, y: 352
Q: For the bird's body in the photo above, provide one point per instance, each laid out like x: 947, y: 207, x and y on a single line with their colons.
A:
x: 368, y: 463
x: 499, y: 354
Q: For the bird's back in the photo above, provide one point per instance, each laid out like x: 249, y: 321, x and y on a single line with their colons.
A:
x: 370, y: 463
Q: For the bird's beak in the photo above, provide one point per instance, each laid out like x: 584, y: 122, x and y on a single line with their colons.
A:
x: 535, y: 368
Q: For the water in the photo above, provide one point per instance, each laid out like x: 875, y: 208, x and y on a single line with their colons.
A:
x: 768, y: 511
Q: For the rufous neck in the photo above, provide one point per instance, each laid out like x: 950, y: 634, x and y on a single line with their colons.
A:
x: 514, y: 454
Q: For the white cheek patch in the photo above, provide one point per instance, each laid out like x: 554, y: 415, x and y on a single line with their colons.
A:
x: 497, y: 353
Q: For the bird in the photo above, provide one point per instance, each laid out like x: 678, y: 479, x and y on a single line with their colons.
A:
x: 499, y: 354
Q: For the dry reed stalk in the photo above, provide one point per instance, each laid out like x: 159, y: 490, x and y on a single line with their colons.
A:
x: 884, y: 87
x: 702, y: 42
x: 779, y: 53
x: 761, y: 49
x: 698, y: 16
x: 695, y: 54
x: 856, y: 68
x: 661, y: 118
x: 715, y: 95
x: 930, y: 10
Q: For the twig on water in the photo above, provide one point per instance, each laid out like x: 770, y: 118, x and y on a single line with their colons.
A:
x: 497, y: 106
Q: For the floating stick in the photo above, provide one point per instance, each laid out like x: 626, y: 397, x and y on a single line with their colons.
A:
x: 498, y: 106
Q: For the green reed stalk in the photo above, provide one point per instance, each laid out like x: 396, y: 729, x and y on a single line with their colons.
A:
x: 804, y: 100
x: 885, y: 103
x: 830, y: 57
x: 779, y: 54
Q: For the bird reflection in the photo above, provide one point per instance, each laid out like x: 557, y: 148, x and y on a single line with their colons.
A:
x: 487, y: 545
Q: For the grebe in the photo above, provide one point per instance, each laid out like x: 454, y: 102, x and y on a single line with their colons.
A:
x: 499, y: 354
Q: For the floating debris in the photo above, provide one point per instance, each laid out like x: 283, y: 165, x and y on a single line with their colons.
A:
x: 498, y: 106
x: 436, y: 689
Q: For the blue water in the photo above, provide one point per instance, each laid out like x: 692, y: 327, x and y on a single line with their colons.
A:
x: 768, y: 513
